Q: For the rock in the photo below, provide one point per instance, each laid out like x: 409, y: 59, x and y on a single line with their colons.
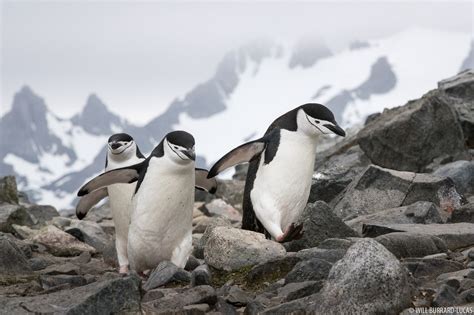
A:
x: 422, y: 126
x: 299, y: 306
x: 39, y: 263
x: 433, y: 267
x: 8, y: 190
x: 48, y: 282
x: 423, y: 212
x: 201, y: 276
x: 463, y: 214
x: 455, y: 235
x: 458, y: 275
x: 99, y: 214
x: 231, y: 191
x: 336, y: 243
x: 198, y: 251
x: 13, y: 263
x: 108, y: 227
x: 297, y: 290
x: 445, y: 296
x: 368, y: 280
x: 105, y: 297
x: 219, y: 207
x: 42, y: 213
x: 319, y: 223
x: 61, y: 269
x: 466, y: 284
x: 23, y: 198
x: 412, y: 245
x: 192, y: 263
x: 90, y: 233
x: 164, y: 273
x: 237, y: 297
x: 174, y: 303
x: 378, y: 189
x: 254, y: 308
x: 61, y: 222
x: 60, y: 243
x: 156, y: 294
x: 196, y: 308
x: 309, y: 270
x: 23, y: 231
x: 13, y: 214
x: 231, y: 249
x: 333, y: 175
x: 329, y: 255
x: 461, y: 172
x: 272, y: 270
x: 460, y: 93
x: 466, y: 296
x: 223, y: 307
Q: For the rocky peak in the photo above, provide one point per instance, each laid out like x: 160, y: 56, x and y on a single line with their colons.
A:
x: 308, y: 51
x: 28, y: 107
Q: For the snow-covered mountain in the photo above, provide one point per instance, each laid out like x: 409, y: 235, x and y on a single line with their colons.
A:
x: 252, y: 85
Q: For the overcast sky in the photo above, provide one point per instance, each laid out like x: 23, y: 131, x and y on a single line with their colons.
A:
x: 139, y: 56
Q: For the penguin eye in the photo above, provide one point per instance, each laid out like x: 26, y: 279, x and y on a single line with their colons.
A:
x: 317, y: 121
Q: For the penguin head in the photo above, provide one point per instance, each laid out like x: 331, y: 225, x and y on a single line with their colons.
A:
x: 179, y: 147
x: 121, y: 146
x: 315, y: 118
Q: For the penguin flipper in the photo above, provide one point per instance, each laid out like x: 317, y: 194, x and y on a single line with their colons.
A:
x: 125, y: 175
x: 88, y: 201
x: 242, y: 154
x: 204, y: 183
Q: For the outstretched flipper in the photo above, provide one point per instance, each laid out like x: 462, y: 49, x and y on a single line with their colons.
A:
x: 125, y: 175
x: 88, y: 201
x: 204, y: 183
x: 242, y: 154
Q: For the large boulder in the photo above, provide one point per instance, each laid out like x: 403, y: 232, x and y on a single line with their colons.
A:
x: 379, y: 188
x: 105, y: 297
x: 461, y: 172
x: 8, y: 190
x: 410, y: 137
x: 319, y: 224
x: 367, y: 280
x: 60, y: 243
x: 460, y: 92
x: 230, y: 249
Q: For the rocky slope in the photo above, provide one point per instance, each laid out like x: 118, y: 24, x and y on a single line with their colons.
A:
x: 389, y: 227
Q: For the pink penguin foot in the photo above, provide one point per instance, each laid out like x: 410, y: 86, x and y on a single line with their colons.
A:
x: 123, y: 270
x: 292, y: 232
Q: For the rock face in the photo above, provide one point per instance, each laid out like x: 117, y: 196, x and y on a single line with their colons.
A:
x: 231, y: 249
x: 378, y: 188
x: 368, y: 280
x: 422, y: 126
x: 319, y: 223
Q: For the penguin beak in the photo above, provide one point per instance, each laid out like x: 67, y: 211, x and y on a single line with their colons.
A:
x: 115, y: 145
x: 190, y: 154
x: 336, y: 129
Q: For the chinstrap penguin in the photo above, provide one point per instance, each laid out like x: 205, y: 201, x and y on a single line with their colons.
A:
x: 121, y: 151
x: 161, y: 219
x: 281, y: 167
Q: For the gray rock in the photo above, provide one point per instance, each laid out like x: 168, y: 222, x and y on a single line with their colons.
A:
x: 319, y: 223
x: 378, y: 189
x: 90, y: 233
x: 329, y: 255
x: 455, y: 235
x: 99, y: 214
x: 48, y: 282
x: 164, y: 273
x: 458, y: 275
x: 297, y: 290
x: 237, y: 297
x: 13, y: 214
x: 105, y: 297
x: 299, y: 306
x: 198, y: 251
x: 368, y: 280
x: 463, y: 214
x: 412, y: 245
x: 336, y: 243
x: 66, y: 268
x: 8, y: 190
x: 254, y: 308
x: 461, y: 172
x: 201, y: 276
x: 333, y: 175
x: 422, y: 267
x: 219, y: 207
x: 13, y: 263
x: 422, y: 126
x: 423, y: 212
x: 466, y: 296
x: 61, y: 222
x: 231, y: 191
x: 231, y: 249
x: 39, y: 263
x: 60, y: 243
x: 466, y: 284
x: 42, y: 213
x: 174, y: 303
x: 272, y: 270
x: 223, y: 307
x: 309, y: 270
x: 192, y: 263
x: 445, y: 296
x: 459, y: 90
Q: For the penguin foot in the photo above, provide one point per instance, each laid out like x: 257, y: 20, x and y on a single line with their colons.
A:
x: 292, y: 232
x: 123, y: 270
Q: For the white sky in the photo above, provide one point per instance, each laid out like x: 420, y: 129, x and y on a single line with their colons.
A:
x: 139, y: 56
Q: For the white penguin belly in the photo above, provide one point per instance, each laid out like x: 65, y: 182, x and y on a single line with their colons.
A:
x: 281, y: 188
x: 161, y: 221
